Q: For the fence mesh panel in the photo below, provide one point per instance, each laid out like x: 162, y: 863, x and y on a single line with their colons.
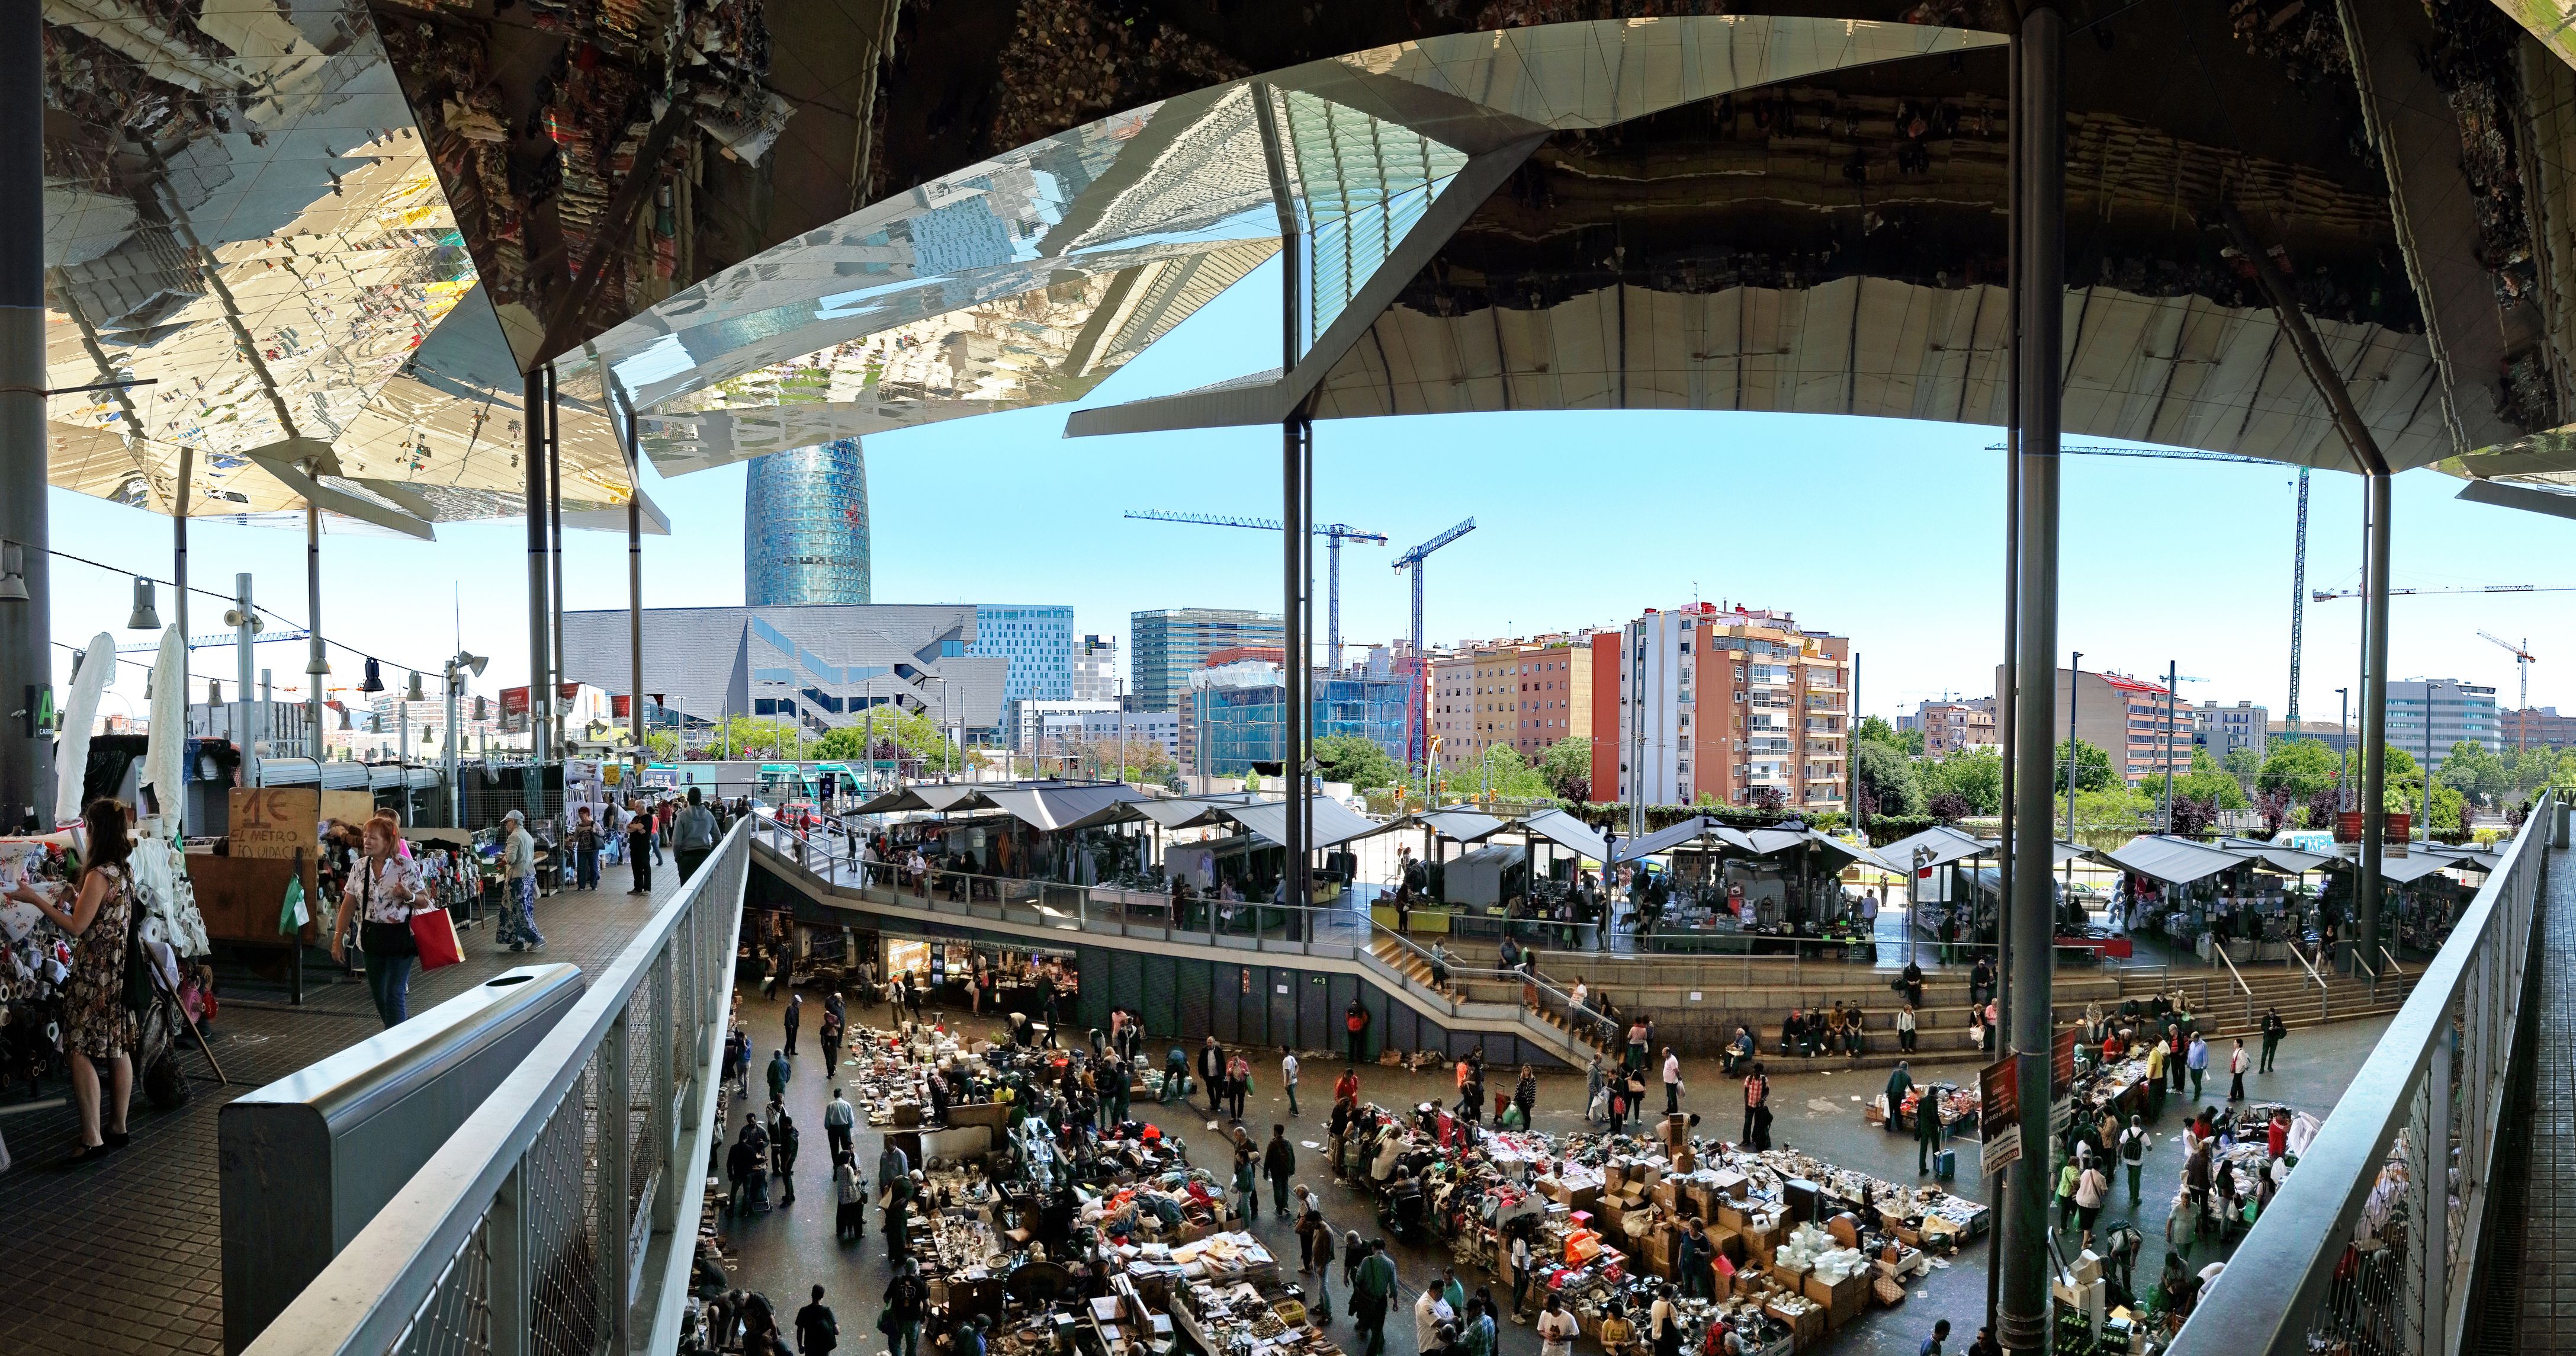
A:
x: 456, y: 1320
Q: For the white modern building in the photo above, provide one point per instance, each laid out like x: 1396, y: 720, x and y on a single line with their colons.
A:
x: 2224, y: 729
x: 1032, y: 720
x: 2457, y: 710
x: 1095, y: 669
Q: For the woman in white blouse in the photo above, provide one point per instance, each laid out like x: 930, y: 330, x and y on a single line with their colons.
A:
x: 383, y: 888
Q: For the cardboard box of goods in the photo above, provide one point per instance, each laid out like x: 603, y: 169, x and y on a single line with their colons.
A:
x: 1633, y: 1195
x: 1667, y: 1194
x: 1685, y: 1159
x: 1192, y: 1231
x: 1726, y: 1243
x: 1759, y: 1243
x: 1898, y: 1262
x: 1851, y: 1296
x: 1732, y: 1183
x: 1730, y: 1215
x: 1551, y: 1188
x: 1644, y: 1172
x: 1814, y: 1287
x: 1613, y: 1214
x: 1613, y: 1173
x: 1589, y: 1198
x: 1908, y: 1235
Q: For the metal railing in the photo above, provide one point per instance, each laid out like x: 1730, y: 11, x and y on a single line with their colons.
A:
x: 2369, y: 1244
x: 2241, y: 985
x: 2325, y: 993
x: 1334, y: 930
x: 561, y: 1218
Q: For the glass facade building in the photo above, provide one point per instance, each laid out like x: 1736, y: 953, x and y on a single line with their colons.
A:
x: 1169, y: 645
x: 1236, y: 715
x: 805, y: 527
x: 1039, y: 643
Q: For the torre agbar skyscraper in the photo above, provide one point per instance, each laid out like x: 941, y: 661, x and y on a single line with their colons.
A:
x: 805, y: 526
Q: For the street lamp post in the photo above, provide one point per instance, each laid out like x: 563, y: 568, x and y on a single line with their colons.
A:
x: 2343, y: 742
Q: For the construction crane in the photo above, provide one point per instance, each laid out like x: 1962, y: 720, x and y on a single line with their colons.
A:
x: 1333, y: 533
x: 2299, y: 538
x: 1413, y: 560
x: 2522, y: 662
x: 2328, y: 595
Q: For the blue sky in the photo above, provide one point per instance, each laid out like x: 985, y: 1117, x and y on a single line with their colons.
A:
x: 1884, y: 530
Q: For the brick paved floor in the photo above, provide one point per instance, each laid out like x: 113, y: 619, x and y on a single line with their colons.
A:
x: 125, y: 1257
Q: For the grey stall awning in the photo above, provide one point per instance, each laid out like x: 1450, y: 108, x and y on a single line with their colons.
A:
x: 1566, y: 831
x: 1328, y: 822
x: 1943, y: 843
x: 1190, y: 812
x: 1458, y: 824
x: 2175, y: 861
x: 2274, y: 855
x: 1690, y: 830
x: 1057, y: 808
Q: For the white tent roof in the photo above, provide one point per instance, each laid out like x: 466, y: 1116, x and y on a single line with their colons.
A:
x: 1328, y: 822
x: 1566, y: 831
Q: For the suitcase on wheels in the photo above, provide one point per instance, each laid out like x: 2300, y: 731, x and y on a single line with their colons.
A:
x: 1945, y: 1165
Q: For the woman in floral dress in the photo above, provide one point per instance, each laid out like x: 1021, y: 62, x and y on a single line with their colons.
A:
x: 99, y: 1031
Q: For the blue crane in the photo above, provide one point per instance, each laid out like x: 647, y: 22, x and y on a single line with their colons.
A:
x: 1413, y: 560
x: 1333, y: 533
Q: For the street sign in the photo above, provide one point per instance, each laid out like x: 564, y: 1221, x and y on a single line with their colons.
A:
x: 1999, y: 1115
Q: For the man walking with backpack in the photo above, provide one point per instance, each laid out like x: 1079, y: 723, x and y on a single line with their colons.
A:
x: 817, y: 1331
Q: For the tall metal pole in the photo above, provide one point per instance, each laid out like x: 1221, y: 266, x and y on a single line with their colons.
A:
x: 2038, y: 223
x: 26, y: 629
x: 2428, y: 761
x: 533, y: 458
x: 2074, y: 676
x: 2298, y: 601
x: 2171, y: 670
x: 635, y: 596
x: 2343, y: 745
x: 316, y: 667
x: 554, y: 558
x: 248, y: 731
x: 455, y: 797
x: 179, y: 552
x: 1333, y: 617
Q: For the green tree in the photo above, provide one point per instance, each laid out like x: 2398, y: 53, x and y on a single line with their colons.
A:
x: 909, y: 736
x: 1887, y: 777
x: 1567, y: 765
x: 1509, y: 776
x: 2243, y: 764
x: 1974, y: 774
x: 2208, y: 781
x: 1876, y: 730
x: 2302, y: 767
x: 2111, y: 807
x: 2476, y: 772
x: 2092, y: 768
x: 662, y: 745
x: 1356, y: 760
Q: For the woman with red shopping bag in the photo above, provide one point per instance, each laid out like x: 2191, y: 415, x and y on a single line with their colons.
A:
x: 383, y: 890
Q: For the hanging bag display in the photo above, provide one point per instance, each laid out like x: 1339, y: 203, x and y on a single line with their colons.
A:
x: 138, y: 960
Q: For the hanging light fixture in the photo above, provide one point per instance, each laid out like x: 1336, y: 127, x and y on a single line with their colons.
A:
x: 373, y: 682
x: 214, y: 692
x: 413, y: 693
x: 479, y: 713
x: 13, y: 573
x: 147, y: 613
x: 344, y: 718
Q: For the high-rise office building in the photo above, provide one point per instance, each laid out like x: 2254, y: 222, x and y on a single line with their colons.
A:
x: 805, y: 527
x: 2459, y: 711
x: 1171, y: 644
x: 1038, y: 640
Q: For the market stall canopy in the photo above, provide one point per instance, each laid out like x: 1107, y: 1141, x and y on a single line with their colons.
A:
x: 1942, y: 844
x: 1567, y: 832
x: 1327, y: 822
x: 2415, y: 866
x: 2175, y: 861
x: 1690, y: 830
x: 1851, y: 851
x: 1458, y: 824
x: 2277, y: 857
x: 2466, y: 854
x: 1190, y: 812
x: 940, y: 796
x: 1058, y: 808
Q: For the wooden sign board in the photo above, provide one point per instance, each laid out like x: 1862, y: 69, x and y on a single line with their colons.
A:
x: 275, y: 821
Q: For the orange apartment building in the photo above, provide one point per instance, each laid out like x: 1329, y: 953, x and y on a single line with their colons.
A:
x: 1723, y: 703
x: 2127, y: 718
x: 1524, y: 694
x: 1951, y: 726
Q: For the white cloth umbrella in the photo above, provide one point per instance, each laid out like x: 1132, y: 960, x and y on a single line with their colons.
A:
x: 165, y: 751
x: 79, y: 713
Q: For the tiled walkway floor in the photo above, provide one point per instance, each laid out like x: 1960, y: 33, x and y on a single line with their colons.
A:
x: 2545, y: 1269
x: 126, y: 1256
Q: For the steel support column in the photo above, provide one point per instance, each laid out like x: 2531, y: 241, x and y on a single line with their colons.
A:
x: 2038, y: 222
x: 1295, y: 433
x: 26, y: 628
x: 635, y: 601
x: 533, y: 461
x: 554, y: 556
x: 2374, y: 722
x: 316, y: 666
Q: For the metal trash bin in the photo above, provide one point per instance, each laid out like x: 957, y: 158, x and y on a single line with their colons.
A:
x: 307, y: 1161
